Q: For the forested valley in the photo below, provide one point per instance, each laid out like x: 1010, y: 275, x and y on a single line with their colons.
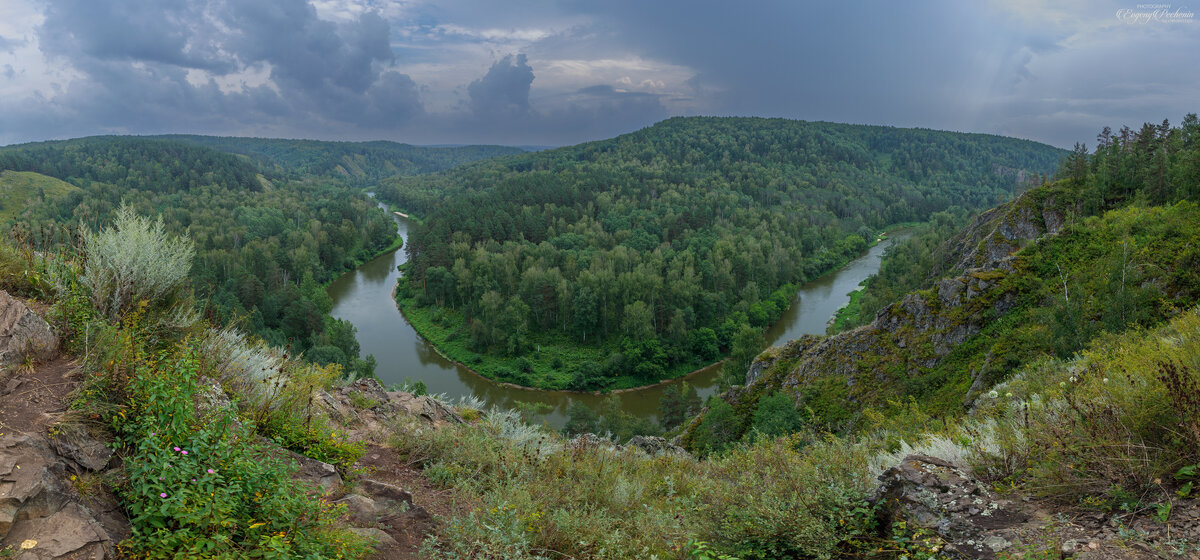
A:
x: 625, y: 261
x: 271, y: 225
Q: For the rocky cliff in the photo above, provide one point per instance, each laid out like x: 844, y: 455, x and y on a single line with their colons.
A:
x: 911, y: 337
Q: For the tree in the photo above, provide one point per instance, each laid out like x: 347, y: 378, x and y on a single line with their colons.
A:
x: 777, y: 415
x: 581, y: 419
x: 718, y: 430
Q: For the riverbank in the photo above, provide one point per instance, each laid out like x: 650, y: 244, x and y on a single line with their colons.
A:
x: 549, y: 366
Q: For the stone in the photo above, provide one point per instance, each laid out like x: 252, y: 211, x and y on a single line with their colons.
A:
x: 936, y: 495
x: 38, y: 508
x: 360, y: 508
x: 656, y: 446
x: 320, y: 475
x: 996, y: 543
x: 83, y: 449
x: 377, y: 536
x: 69, y: 533
x: 388, y: 494
x: 424, y: 406
x: 23, y: 334
x: 30, y: 481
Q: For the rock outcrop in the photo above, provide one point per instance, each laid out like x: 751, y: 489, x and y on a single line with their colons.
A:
x: 41, y: 515
x: 366, y: 408
x: 911, y: 337
x: 934, y: 494
x: 23, y: 334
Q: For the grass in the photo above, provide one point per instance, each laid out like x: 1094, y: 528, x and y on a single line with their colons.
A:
x: 543, y: 496
x: 18, y: 187
x: 848, y: 314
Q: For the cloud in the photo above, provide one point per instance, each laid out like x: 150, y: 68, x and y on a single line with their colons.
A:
x: 504, y: 91
x: 444, y: 71
x: 10, y: 45
x: 220, y: 66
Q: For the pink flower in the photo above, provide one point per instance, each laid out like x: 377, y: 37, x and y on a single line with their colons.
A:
x: 184, y: 452
x: 176, y: 449
x: 210, y: 471
x: 193, y: 480
x: 163, y: 495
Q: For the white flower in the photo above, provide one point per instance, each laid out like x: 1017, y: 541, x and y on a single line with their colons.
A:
x: 993, y: 394
x: 1106, y: 380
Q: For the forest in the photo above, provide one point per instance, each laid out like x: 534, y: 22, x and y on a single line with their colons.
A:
x: 669, y: 247
x: 1126, y: 260
x: 269, y: 232
x: 360, y: 163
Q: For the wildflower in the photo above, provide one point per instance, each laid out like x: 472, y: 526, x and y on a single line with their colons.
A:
x: 184, y: 452
x: 1106, y: 380
x: 193, y: 480
x: 177, y: 449
x: 993, y: 394
x: 1063, y: 384
x: 210, y: 471
x: 162, y: 495
x: 1008, y: 395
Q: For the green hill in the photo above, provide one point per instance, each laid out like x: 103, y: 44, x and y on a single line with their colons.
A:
x: 359, y: 162
x: 18, y: 188
x: 647, y: 255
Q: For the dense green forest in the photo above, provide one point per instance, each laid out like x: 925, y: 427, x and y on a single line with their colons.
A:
x: 1128, y: 257
x: 668, y: 247
x: 265, y: 247
x: 357, y: 162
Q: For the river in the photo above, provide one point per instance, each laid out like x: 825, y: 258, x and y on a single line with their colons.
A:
x: 364, y: 297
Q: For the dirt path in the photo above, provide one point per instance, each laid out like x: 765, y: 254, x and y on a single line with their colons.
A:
x: 409, y: 528
x: 31, y: 401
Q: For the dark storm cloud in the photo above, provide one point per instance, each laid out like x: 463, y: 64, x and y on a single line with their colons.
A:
x: 136, y: 56
x: 1048, y: 71
x: 504, y: 90
x: 960, y: 66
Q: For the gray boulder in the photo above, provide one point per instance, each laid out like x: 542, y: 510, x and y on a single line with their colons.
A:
x: 23, y: 334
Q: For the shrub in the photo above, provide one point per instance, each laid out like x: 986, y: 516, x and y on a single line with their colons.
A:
x: 202, y: 487
x: 134, y: 261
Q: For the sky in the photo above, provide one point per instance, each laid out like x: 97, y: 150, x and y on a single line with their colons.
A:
x: 546, y: 73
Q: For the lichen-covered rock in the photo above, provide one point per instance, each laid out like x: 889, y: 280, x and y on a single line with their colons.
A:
x: 934, y: 494
x: 367, y: 410
x: 23, y: 334
x: 424, y: 406
x: 389, y: 495
x: 655, y: 446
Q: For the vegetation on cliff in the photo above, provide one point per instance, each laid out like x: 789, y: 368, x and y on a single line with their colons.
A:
x: 1041, y: 277
x: 664, y: 247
